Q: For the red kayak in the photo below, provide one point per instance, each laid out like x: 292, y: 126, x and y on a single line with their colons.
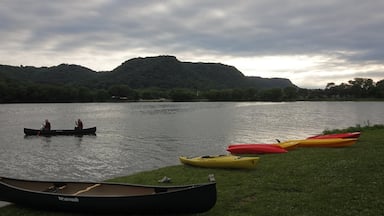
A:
x: 255, y: 149
x: 339, y: 135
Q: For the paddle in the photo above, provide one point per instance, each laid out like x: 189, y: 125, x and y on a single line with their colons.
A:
x: 42, y: 127
x: 86, y: 189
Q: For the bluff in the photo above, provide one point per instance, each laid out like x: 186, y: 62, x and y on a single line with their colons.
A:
x: 150, y: 72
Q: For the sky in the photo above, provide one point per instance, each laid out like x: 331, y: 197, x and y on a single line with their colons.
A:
x: 312, y: 43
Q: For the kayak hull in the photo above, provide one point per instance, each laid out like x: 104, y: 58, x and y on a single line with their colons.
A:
x: 336, y: 142
x: 339, y: 135
x: 288, y: 145
x: 221, y: 161
x: 255, y: 149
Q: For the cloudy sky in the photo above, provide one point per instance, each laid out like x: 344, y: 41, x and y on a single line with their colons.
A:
x: 310, y: 42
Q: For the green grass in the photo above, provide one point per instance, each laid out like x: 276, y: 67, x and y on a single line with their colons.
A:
x: 304, y: 181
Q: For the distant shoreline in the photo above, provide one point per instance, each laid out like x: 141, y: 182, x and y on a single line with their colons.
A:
x: 161, y: 100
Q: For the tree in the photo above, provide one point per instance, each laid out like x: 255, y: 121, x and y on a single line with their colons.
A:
x: 274, y: 94
x: 290, y: 93
x: 361, y: 87
x: 251, y: 94
x: 123, y: 91
x: 330, y: 85
x: 102, y: 95
x: 152, y: 93
x: 3, y: 91
x: 380, y: 89
x: 182, y: 95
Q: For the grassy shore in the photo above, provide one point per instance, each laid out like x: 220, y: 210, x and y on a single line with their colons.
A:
x: 304, y: 181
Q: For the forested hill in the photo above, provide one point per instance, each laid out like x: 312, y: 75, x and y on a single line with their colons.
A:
x: 151, y: 72
x: 61, y: 74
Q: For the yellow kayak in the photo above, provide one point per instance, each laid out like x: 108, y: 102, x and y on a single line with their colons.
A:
x: 288, y: 145
x: 221, y: 161
x: 335, y: 142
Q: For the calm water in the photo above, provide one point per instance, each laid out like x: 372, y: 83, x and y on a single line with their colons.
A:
x: 133, y: 137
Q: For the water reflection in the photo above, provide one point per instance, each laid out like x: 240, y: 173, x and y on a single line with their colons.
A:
x: 43, y: 139
x: 46, y: 140
x: 133, y: 137
x: 78, y: 140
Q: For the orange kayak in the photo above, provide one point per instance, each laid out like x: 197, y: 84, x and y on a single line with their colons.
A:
x: 339, y: 135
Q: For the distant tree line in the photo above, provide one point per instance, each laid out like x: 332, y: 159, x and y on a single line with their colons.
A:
x: 357, y: 88
x: 12, y: 91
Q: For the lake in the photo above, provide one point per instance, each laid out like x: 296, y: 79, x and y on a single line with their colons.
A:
x: 134, y: 137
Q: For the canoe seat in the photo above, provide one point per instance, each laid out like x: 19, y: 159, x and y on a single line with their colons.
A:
x: 56, y: 187
x: 86, y: 189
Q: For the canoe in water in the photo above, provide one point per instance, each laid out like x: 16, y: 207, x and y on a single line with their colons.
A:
x: 37, y: 132
x: 221, y: 161
x: 108, y: 198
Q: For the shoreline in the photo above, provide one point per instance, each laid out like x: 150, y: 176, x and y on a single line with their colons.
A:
x: 309, y: 190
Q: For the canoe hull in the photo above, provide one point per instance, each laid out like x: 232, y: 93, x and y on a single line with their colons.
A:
x: 36, y: 132
x: 221, y: 161
x: 101, y: 199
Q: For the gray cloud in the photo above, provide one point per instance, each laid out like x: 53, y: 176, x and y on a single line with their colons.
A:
x: 347, y: 31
